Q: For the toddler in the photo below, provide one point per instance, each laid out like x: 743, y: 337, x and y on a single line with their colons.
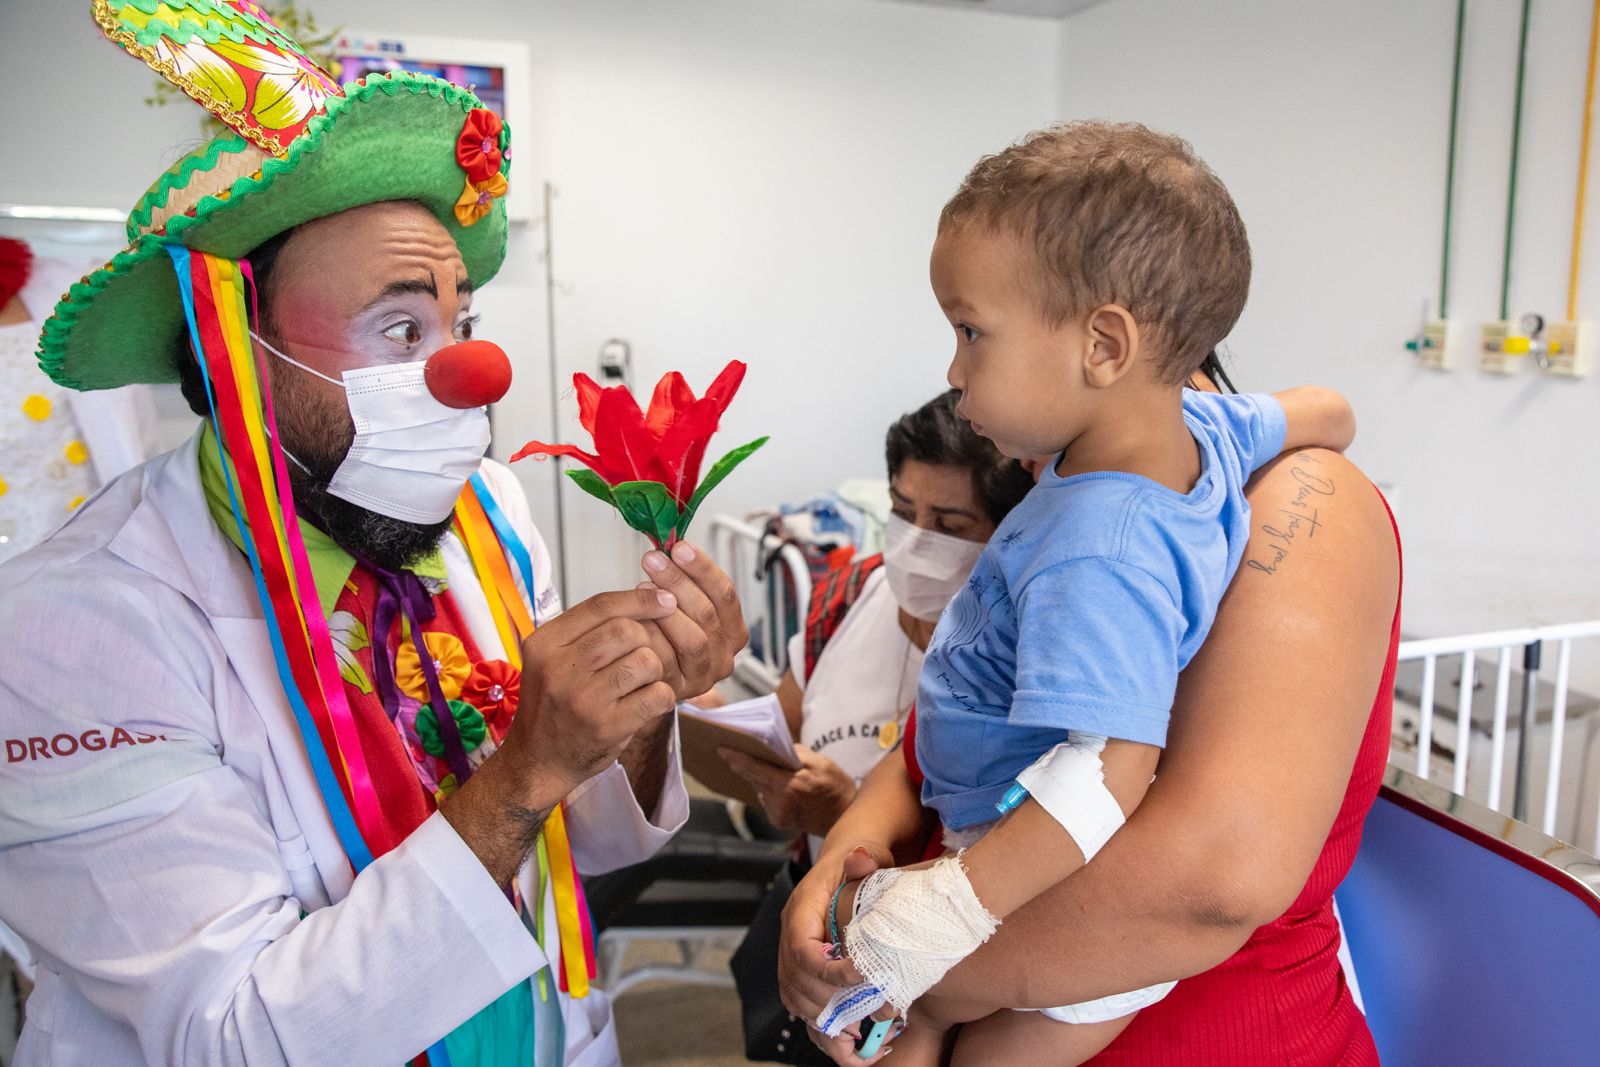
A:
x: 1087, y: 271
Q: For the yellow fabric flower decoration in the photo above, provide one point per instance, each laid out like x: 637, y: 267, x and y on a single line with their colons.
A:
x: 478, y: 198
x: 449, y: 659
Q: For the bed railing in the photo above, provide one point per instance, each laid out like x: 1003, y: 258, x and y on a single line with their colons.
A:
x: 774, y: 585
x: 1507, y: 650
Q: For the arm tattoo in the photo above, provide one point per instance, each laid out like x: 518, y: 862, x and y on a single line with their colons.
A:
x: 1295, y: 520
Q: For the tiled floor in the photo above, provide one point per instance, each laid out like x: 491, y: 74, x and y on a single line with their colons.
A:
x: 680, y: 1026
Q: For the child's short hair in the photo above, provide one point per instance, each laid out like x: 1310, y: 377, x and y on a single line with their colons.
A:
x: 1118, y: 213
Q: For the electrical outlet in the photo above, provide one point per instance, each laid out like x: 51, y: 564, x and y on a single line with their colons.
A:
x: 1501, y: 348
x: 1437, y: 345
x: 1571, y: 352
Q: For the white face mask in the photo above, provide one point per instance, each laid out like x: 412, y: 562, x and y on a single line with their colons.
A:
x: 925, y: 569
x: 412, y: 455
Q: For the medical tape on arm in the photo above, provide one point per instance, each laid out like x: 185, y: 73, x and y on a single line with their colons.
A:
x: 910, y: 927
x: 1069, y: 782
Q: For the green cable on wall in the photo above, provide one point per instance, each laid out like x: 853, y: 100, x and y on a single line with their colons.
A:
x: 1450, y: 164
x: 1516, y: 144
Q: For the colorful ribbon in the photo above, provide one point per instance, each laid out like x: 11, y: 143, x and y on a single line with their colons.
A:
x: 509, y: 541
x: 213, y: 302
x: 488, y: 544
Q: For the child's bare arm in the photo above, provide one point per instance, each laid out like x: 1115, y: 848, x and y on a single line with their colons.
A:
x: 1030, y: 851
x: 1318, y: 418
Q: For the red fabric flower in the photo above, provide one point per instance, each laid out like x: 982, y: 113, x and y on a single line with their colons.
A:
x: 493, y: 688
x: 655, y: 455
x: 478, y: 146
x: 16, y: 265
x: 665, y: 444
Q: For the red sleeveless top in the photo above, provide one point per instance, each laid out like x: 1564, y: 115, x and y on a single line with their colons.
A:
x: 1282, y: 998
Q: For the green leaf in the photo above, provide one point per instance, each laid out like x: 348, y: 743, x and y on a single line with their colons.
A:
x: 719, y: 470
x: 349, y: 636
x: 648, y: 508
x: 348, y: 631
x: 593, y: 484
x: 351, y: 671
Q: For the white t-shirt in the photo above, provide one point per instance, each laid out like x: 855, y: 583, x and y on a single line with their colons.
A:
x: 865, y: 678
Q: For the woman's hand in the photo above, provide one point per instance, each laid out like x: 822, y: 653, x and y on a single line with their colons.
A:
x: 808, y: 975
x: 809, y: 800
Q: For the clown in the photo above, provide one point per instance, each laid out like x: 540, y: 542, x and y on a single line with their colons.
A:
x: 307, y: 757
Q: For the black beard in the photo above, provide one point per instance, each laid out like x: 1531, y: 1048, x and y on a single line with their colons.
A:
x: 383, y: 540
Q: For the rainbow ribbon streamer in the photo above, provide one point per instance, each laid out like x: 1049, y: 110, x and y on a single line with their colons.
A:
x: 489, y: 539
x: 213, y: 293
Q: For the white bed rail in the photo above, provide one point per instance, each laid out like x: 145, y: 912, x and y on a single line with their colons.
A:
x: 774, y: 586
x: 1507, y: 647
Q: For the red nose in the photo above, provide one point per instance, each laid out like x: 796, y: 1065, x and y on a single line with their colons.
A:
x: 468, y: 375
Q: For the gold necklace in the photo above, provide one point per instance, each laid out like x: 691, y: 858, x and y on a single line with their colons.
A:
x: 890, y: 732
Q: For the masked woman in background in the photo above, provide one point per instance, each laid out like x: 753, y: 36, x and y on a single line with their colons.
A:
x: 854, y: 666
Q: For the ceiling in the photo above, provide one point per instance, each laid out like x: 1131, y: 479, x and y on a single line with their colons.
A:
x: 1046, y: 8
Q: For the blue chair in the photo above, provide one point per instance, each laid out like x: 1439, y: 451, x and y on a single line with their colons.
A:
x: 1475, y: 939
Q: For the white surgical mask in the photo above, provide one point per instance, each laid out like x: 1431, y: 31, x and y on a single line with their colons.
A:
x: 925, y: 568
x: 412, y: 455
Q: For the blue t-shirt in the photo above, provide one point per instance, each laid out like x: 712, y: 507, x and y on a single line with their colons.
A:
x: 1088, y: 600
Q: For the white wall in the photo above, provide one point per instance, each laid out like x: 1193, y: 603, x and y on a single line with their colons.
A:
x: 737, y: 178
x: 760, y: 179
x: 1328, y: 122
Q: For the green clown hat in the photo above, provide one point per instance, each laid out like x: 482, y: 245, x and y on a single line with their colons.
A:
x: 301, y: 148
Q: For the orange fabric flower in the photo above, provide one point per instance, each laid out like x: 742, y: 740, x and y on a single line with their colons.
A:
x: 478, y: 198
x: 478, y: 145
x: 492, y: 688
x: 449, y: 659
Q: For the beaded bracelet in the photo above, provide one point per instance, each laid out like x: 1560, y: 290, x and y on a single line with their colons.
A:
x: 833, y: 912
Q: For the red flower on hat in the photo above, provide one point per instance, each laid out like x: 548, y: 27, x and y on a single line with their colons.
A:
x: 493, y: 688
x: 478, y: 145
x: 16, y: 265
x: 646, y: 464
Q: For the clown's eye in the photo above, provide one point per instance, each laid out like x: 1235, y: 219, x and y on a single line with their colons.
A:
x: 405, y: 332
x: 466, y: 328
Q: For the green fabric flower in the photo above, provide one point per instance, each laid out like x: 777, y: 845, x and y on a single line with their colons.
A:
x: 469, y: 720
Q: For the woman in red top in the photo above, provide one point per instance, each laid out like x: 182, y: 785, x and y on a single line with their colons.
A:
x: 1223, y: 876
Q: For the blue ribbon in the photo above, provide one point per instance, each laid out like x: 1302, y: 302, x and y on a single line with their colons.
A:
x: 509, y: 541
x: 344, y: 823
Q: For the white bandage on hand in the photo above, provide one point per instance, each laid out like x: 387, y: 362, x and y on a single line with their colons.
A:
x: 909, y: 929
x: 1069, y: 782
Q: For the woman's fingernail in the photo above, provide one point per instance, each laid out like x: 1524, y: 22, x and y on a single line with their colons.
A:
x: 682, y: 552
x: 666, y: 600
x: 655, y: 561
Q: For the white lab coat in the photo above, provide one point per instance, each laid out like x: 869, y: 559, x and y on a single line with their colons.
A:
x: 159, y: 874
